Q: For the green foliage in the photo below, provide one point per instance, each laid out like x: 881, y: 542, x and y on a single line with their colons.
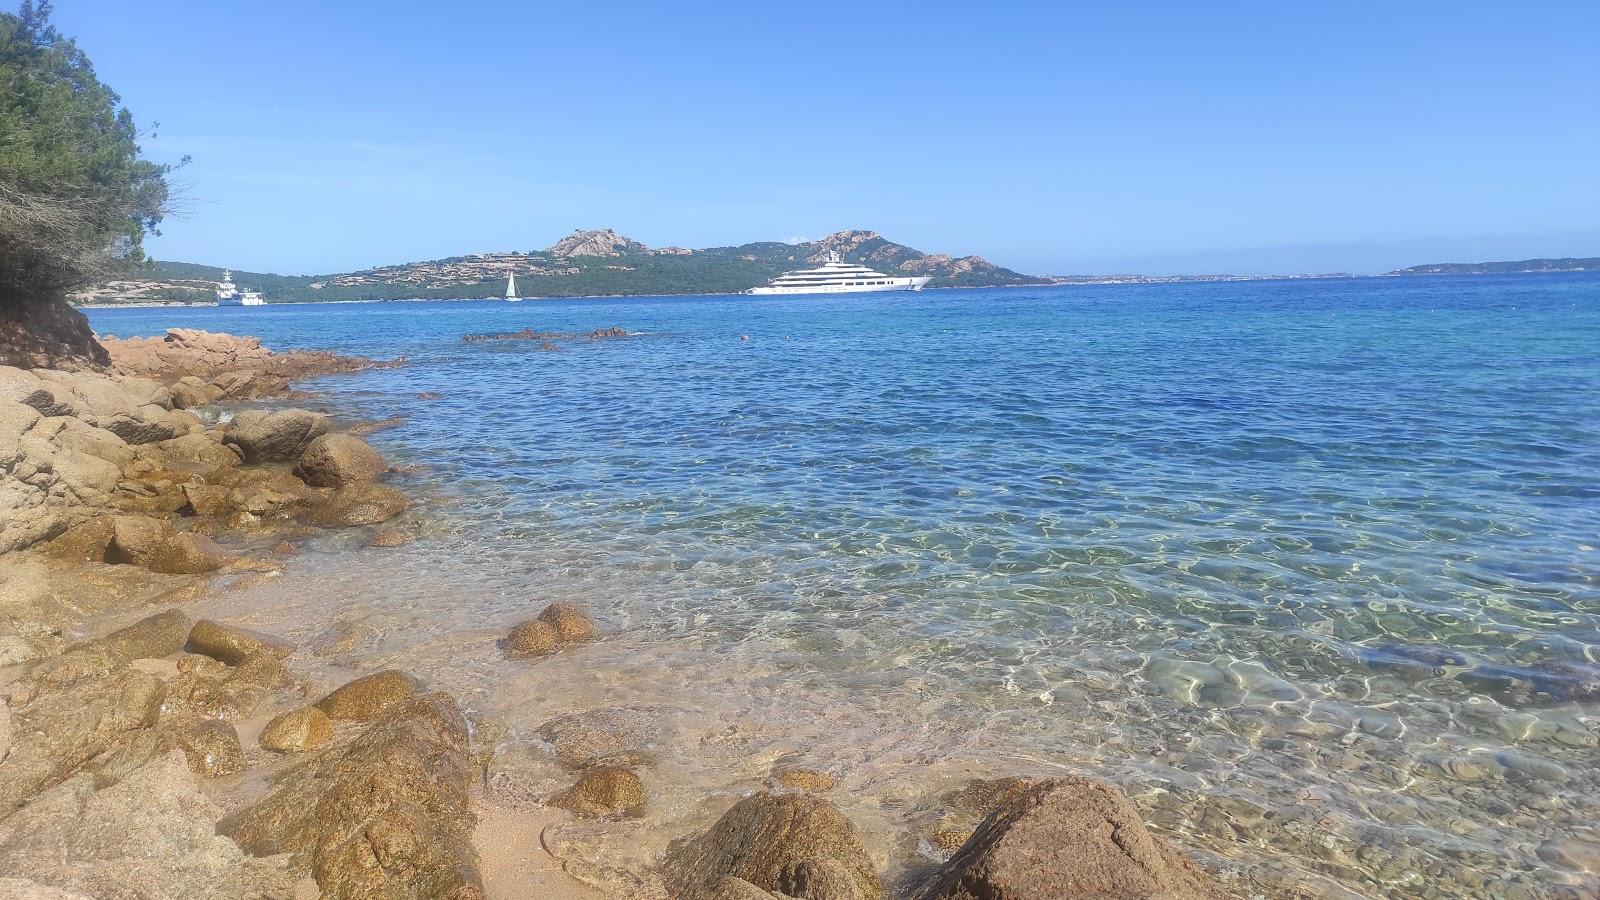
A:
x: 1568, y: 264
x: 76, y: 199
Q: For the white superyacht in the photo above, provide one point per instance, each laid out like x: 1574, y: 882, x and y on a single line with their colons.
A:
x: 228, y: 293
x: 837, y: 277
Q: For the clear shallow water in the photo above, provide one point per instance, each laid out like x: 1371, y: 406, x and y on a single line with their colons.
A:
x: 1310, y: 567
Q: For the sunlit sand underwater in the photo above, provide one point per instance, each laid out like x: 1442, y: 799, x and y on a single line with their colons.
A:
x: 1309, y: 568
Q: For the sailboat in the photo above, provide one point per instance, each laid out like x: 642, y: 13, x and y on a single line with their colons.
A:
x: 511, y: 288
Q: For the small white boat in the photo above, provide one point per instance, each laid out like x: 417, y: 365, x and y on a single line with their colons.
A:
x: 511, y: 288
x: 836, y: 277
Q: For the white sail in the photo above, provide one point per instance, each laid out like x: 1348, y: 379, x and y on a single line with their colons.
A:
x: 511, y: 286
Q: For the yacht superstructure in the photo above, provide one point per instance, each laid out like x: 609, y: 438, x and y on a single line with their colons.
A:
x: 228, y: 293
x: 837, y: 277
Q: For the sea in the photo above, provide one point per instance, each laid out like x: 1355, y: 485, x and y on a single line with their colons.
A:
x: 1311, y: 568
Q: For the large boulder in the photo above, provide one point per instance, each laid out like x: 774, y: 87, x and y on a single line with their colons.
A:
x: 386, y: 815
x: 335, y: 460
x: 359, y: 504
x: 279, y: 436
x: 156, y: 545
x: 59, y: 731
x: 796, y: 844
x: 151, y: 637
x: 150, y: 835
x: 297, y: 730
x: 367, y: 697
x: 190, y: 391
x: 1072, y: 839
x: 232, y: 644
x: 198, y: 452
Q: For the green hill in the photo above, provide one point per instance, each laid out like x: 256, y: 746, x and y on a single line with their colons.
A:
x: 585, y: 263
x: 1587, y: 264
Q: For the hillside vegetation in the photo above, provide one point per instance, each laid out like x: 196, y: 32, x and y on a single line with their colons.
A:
x: 585, y: 263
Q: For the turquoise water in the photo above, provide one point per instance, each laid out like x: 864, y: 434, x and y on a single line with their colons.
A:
x: 1311, y: 567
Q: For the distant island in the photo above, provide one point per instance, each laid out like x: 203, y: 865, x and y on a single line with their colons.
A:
x: 596, y: 262
x: 1569, y: 264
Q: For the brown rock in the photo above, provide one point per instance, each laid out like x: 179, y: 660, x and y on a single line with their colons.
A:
x: 297, y: 730
x: 730, y: 888
x: 265, y: 493
x: 208, y: 499
x: 155, y: 545
x: 190, y: 391
x: 385, y: 816
x: 364, y: 428
x: 197, y: 452
x: 85, y: 542
x: 233, y: 694
x: 212, y: 748
x: 534, y: 637
x: 571, y: 623
x: 274, y: 437
x: 603, y: 791
x: 797, y: 844
x: 149, y: 833
x: 367, y: 697
x: 1068, y: 838
x: 335, y: 460
x: 391, y: 537
x: 233, y: 645
x: 982, y: 796
x: 60, y: 731
x: 804, y: 780
x: 231, y: 361
x: 153, y: 636
x: 607, y: 734
x: 360, y: 504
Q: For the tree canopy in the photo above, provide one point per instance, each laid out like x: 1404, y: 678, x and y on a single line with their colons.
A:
x: 76, y: 198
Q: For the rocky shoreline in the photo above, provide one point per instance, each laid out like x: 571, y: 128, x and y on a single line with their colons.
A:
x: 147, y: 749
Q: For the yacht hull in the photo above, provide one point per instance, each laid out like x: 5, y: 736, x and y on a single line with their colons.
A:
x: 898, y: 284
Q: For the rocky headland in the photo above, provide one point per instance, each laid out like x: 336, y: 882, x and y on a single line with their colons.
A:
x: 152, y: 748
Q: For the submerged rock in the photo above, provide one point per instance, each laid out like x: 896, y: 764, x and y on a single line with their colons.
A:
x: 534, y: 637
x: 233, y: 645
x: 156, y: 545
x: 367, y: 697
x: 557, y: 626
x: 297, y: 730
x: 279, y: 436
x: 608, y: 734
x: 1072, y: 839
x: 797, y: 844
x: 571, y: 623
x: 360, y: 504
x: 603, y: 791
x: 335, y: 460
x: 385, y: 816
x: 804, y: 780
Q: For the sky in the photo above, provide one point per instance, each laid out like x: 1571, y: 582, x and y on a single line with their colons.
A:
x: 1052, y: 138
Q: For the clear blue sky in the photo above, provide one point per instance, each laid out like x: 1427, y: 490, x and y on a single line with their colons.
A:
x: 1049, y: 137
